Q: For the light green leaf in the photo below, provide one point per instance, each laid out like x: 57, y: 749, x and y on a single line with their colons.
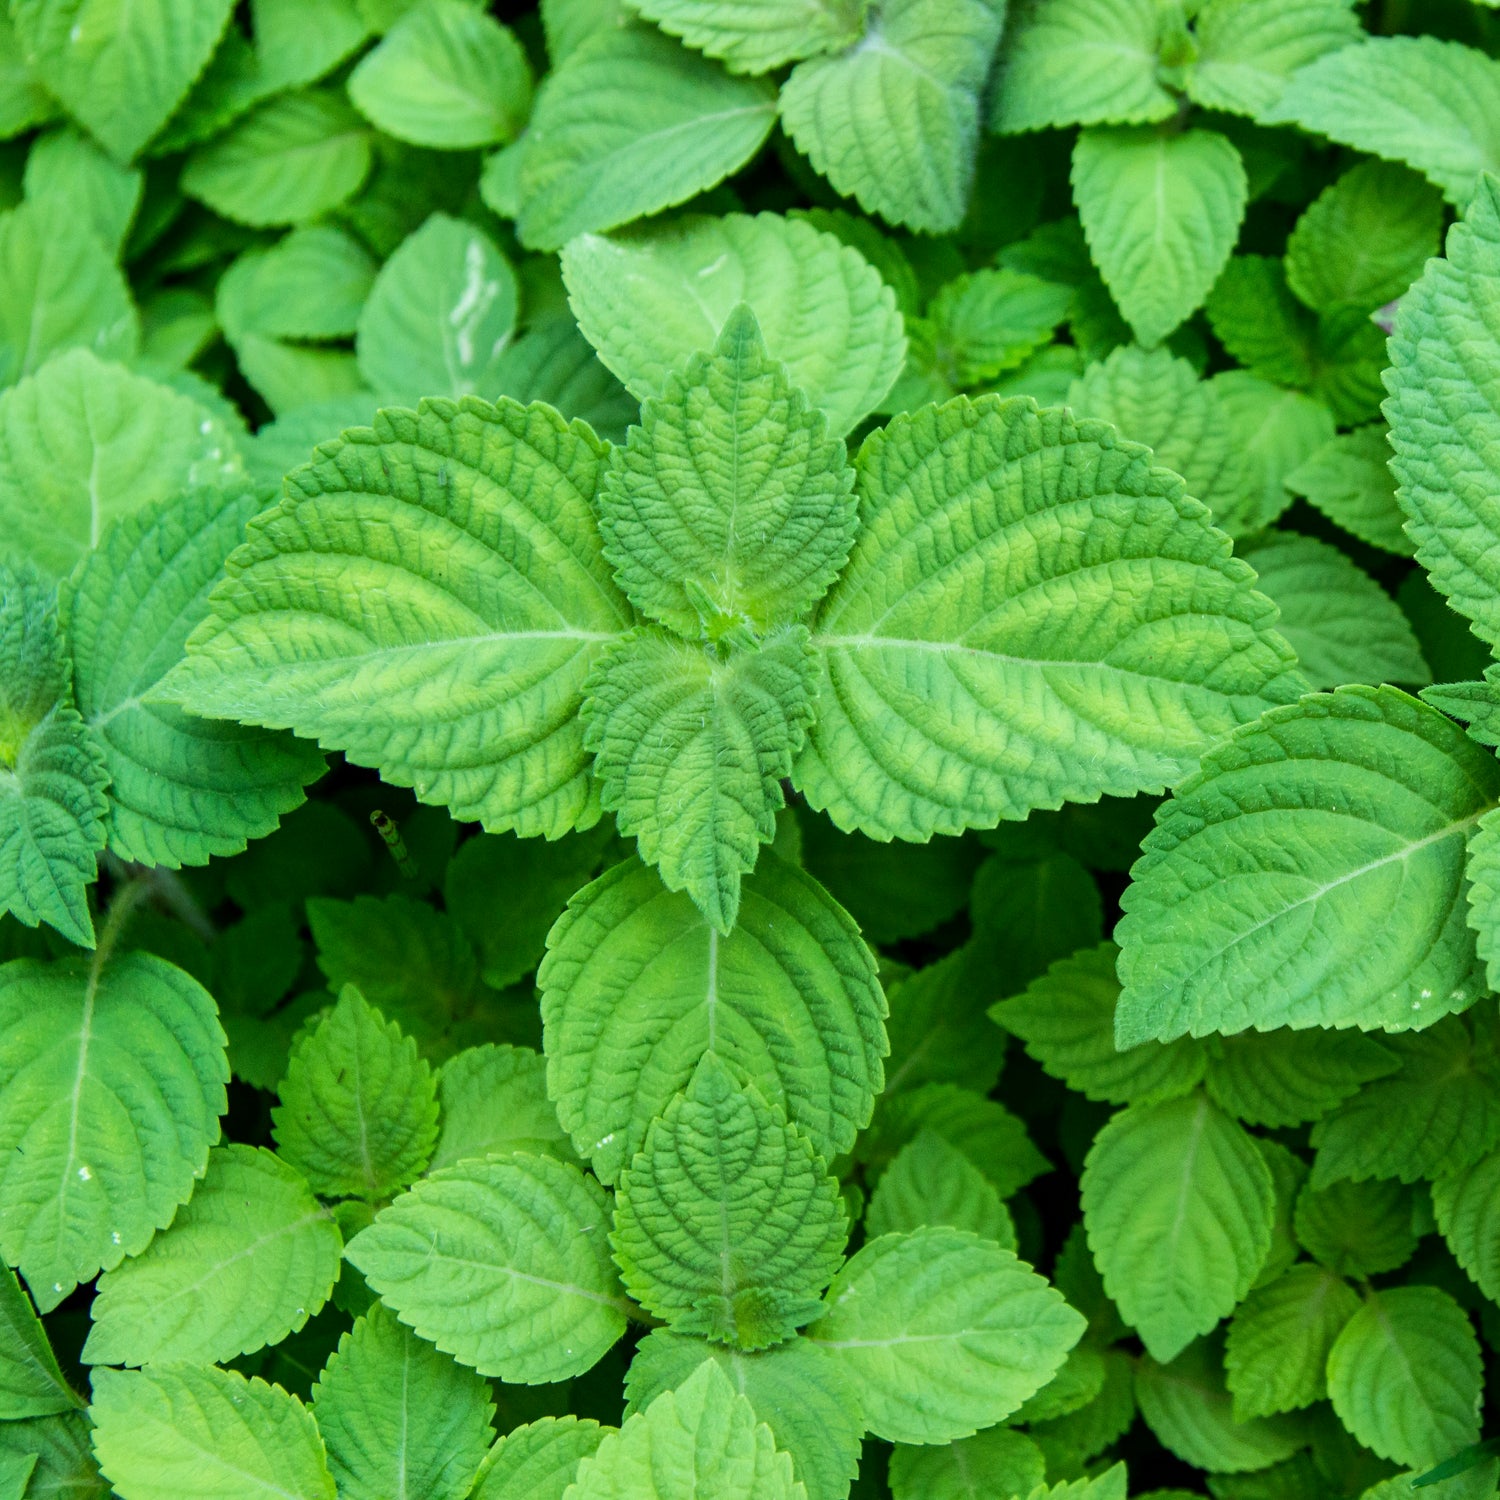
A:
x: 298, y: 41
x: 1283, y: 1078
x: 553, y: 362
x: 649, y: 302
x: 691, y: 749
x: 942, y: 1333
x: 1350, y: 481
x: 1434, y: 105
x: 59, y: 1449
x: 494, y: 1101
x: 358, y: 1111
x: 637, y: 986
x: 1276, y: 1355
x: 755, y: 36
x: 930, y: 1181
x: 1080, y: 1380
x: 429, y: 647
x: 1405, y: 1375
x: 1366, y: 928
x: 726, y: 1223
x: 503, y: 1264
x: 245, y: 1263
x: 1082, y: 62
x: 990, y: 321
x: 68, y: 164
x: 797, y: 1389
x: 1186, y: 1405
x: 448, y: 75
x: 1162, y: 213
x: 165, y: 1432
x: 63, y: 290
x: 960, y: 619
x: 993, y: 1463
x: 24, y: 102
x: 288, y: 376
x: 539, y: 1460
x: 111, y: 1086
x: 1358, y: 1228
x: 441, y: 313
x: 295, y: 158
x: 701, y: 1439
x: 310, y: 284
x: 1248, y: 50
x: 31, y: 1385
x: 181, y: 789
x: 1465, y: 1202
x: 1343, y: 626
x: 894, y: 120
x: 400, y: 1419
x: 121, y: 71
x: 938, y: 1028
x: 730, y: 499
x: 1178, y: 1204
x: 1444, y: 425
x: 83, y: 443
x: 1067, y: 1021
x: 630, y: 123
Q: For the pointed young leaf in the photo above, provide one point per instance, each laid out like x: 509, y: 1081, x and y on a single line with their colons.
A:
x: 427, y: 645
x: 726, y: 1223
x: 358, y: 1111
x: 993, y: 1462
x: 503, y: 1264
x: 1377, y: 794
x: 755, y: 36
x: 637, y: 986
x: 170, y: 1431
x: 650, y: 302
x: 1162, y: 213
x: 1350, y: 481
x: 31, y: 1385
x: 400, y: 1420
x: 691, y: 750
x: 961, y: 684
x: 1359, y: 1228
x: 539, y: 1460
x: 111, y: 1087
x: 1284, y: 1077
x: 930, y: 1181
x: 494, y: 1101
x: 248, y: 1260
x: 1179, y: 1207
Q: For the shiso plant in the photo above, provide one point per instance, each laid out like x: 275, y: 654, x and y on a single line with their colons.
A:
x: 747, y: 749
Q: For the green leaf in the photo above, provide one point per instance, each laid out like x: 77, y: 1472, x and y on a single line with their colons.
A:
x: 727, y: 1223
x: 930, y: 1182
x: 52, y: 775
x: 181, y: 789
x: 730, y: 499
x: 1350, y: 481
x: 358, y: 1112
x: 1179, y: 1206
x: 756, y: 36
x: 989, y: 321
x: 295, y: 158
x: 169, y: 1431
x: 797, y: 1389
x: 494, y: 1101
x: 289, y: 377
x: 1464, y: 1202
x: 427, y: 647
x: 701, y: 1439
x: 1080, y: 1380
x: 31, y: 1385
x: 938, y: 1028
x: 1405, y: 1375
x: 1185, y: 1403
x: 1082, y: 62
x: 1248, y: 52
x: 1358, y: 1228
x: 111, y: 1085
x: 441, y: 314
x: 1162, y: 213
x: 894, y: 120
x: 651, y: 301
x: 399, y: 1418
x: 1484, y: 889
x: 966, y: 596
x: 245, y: 1263
x: 84, y: 444
x: 59, y: 1449
x: 1431, y: 104
x: 691, y: 749
x: 67, y: 163
x: 1283, y: 1078
x: 123, y: 71
x: 310, y: 284
x: 942, y: 1333
x: 1343, y: 626
x: 23, y: 100
x: 630, y: 123
x: 298, y: 41
x: 1365, y: 927
x: 539, y: 1460
x: 1067, y: 1021
x: 553, y: 362
x: 503, y: 1264
x: 1276, y: 1354
x: 446, y: 75
x: 638, y: 985
x: 1443, y: 425
x: 1080, y: 1435
x: 996, y: 1462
